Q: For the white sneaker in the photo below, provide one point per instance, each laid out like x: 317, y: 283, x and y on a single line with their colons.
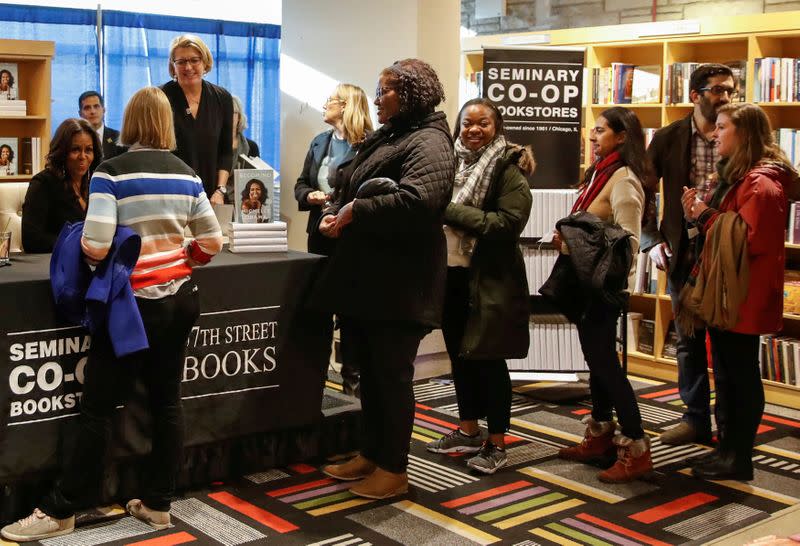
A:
x: 38, y: 526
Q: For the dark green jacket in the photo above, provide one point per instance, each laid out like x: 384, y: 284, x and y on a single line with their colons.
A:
x: 497, y: 326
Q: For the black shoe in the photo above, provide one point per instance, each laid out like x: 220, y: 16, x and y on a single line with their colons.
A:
x: 703, y: 458
x: 724, y: 467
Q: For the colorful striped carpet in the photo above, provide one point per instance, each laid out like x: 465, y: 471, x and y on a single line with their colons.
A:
x: 538, y: 499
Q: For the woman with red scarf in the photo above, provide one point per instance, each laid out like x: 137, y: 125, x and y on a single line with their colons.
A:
x: 612, y: 190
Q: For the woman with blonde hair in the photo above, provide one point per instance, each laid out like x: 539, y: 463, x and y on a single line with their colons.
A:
x: 347, y: 111
x: 744, y: 218
x: 156, y: 195
x: 203, y: 115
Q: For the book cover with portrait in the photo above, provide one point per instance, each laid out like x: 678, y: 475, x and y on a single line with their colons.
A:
x: 253, y: 194
x: 9, y: 82
x: 9, y: 152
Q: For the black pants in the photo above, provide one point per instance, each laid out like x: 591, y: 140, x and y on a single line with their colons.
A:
x: 611, y: 390
x: 385, y: 353
x: 740, y: 393
x: 108, y: 380
x: 319, y: 244
x: 483, y: 387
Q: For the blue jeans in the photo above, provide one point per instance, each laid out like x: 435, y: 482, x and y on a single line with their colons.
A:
x: 693, y: 383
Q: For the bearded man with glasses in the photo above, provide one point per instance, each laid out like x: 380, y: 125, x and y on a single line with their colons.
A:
x: 684, y: 153
x: 203, y: 115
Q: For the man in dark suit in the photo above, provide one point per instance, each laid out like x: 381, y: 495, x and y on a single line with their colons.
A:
x: 91, y: 107
x: 684, y: 153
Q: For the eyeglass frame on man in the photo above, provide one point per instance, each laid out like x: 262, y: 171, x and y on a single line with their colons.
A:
x: 193, y: 61
x: 718, y: 90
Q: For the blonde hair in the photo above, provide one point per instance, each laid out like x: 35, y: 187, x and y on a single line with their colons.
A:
x: 148, y: 120
x: 238, y: 108
x: 355, y: 117
x: 190, y: 40
x: 756, y: 142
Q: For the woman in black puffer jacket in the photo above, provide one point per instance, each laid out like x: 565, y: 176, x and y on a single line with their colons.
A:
x: 386, y: 280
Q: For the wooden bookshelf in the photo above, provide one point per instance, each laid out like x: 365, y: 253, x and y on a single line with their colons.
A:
x: 33, y: 59
x: 721, y: 39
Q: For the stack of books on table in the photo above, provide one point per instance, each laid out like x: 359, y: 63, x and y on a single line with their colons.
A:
x: 13, y: 108
x: 264, y: 237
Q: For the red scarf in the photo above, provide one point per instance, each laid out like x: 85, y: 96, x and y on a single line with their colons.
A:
x: 603, y: 170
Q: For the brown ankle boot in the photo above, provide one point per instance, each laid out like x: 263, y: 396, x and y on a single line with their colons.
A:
x: 381, y: 485
x: 597, y: 443
x: 356, y: 468
x: 633, y: 461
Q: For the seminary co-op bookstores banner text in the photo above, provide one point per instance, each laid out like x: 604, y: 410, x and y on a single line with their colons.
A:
x: 539, y: 92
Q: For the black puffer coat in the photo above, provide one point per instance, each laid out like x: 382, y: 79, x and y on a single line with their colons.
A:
x: 390, y: 263
x: 596, y: 267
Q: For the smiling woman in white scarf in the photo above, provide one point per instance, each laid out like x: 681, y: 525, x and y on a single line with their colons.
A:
x: 486, y: 303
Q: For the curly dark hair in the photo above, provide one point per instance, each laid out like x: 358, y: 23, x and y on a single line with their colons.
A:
x: 10, y: 77
x: 254, y: 182
x: 59, y: 149
x: 417, y: 85
x: 10, y: 151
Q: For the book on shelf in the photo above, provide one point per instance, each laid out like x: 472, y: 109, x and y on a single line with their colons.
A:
x: 646, y: 84
x: 9, y: 156
x: 779, y: 359
x: 789, y: 142
x: 670, y: 349
x: 633, y: 331
x: 613, y: 84
x: 739, y: 69
x: 554, y: 347
x: 13, y: 108
x: 676, y: 84
x: 647, y: 331
x: 777, y: 79
x: 791, y: 292
x: 24, y: 154
x: 793, y: 228
x: 9, y: 82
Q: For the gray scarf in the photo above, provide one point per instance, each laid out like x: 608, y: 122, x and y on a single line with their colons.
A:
x: 472, y: 180
x: 475, y: 171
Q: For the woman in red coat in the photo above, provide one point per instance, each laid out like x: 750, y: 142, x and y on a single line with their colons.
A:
x: 755, y: 178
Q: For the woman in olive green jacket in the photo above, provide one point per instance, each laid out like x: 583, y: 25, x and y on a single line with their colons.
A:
x: 486, y: 303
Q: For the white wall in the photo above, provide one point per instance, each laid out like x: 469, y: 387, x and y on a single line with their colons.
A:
x: 325, y: 42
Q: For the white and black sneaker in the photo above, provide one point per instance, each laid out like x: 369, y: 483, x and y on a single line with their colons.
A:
x: 456, y: 442
x: 489, y: 459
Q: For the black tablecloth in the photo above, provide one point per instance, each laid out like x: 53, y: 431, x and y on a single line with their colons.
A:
x: 255, y: 361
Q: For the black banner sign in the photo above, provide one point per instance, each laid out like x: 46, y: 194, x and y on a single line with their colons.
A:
x: 539, y: 92
x: 255, y: 362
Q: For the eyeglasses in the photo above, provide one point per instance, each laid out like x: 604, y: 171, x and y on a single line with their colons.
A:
x: 330, y: 100
x: 381, y: 91
x: 718, y: 90
x: 194, y: 61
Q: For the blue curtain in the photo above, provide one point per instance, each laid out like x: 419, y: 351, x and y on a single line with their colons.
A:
x: 135, y: 54
x: 76, y: 66
x: 246, y: 62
